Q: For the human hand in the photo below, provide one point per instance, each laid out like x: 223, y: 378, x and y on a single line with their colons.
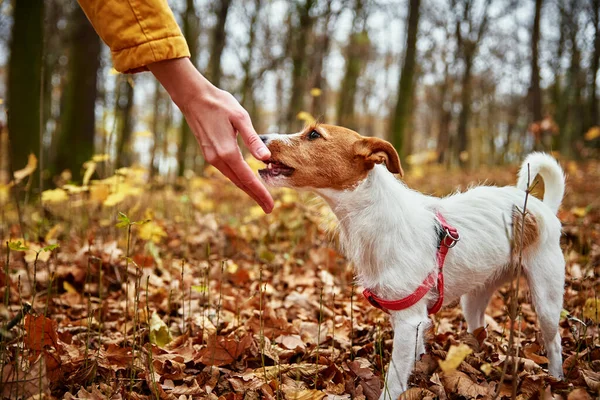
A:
x: 216, y: 118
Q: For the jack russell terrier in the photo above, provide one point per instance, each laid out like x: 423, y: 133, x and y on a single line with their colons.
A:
x: 398, y: 238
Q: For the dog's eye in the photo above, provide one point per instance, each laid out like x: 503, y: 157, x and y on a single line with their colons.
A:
x: 313, y: 135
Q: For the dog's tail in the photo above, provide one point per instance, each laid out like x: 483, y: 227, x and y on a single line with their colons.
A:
x: 554, y: 178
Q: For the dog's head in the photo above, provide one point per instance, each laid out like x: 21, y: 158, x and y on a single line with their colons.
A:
x: 325, y: 156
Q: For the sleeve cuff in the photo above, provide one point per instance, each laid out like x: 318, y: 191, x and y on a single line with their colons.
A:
x: 135, y: 59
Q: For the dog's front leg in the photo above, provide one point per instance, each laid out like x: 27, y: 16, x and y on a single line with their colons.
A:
x: 409, y: 327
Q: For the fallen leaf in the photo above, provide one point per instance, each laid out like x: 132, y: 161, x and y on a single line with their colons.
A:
x: 222, y: 351
x: 456, y: 355
x: 159, y: 331
x: 591, y: 309
x: 460, y: 383
x: 40, y: 332
x: 417, y: 394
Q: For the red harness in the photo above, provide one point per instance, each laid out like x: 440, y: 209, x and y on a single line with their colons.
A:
x: 448, y: 238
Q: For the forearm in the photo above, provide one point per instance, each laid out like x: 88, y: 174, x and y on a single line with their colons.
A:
x: 180, y: 79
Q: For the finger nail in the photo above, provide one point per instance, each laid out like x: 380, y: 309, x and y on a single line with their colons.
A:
x: 263, y: 152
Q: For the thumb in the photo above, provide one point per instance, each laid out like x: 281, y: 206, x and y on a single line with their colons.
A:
x: 251, y: 139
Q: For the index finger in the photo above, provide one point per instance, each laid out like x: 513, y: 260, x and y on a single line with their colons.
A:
x: 251, y: 186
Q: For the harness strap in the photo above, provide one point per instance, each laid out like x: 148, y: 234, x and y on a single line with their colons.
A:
x: 448, y: 238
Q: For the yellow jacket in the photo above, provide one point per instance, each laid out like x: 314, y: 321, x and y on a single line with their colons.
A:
x: 138, y: 32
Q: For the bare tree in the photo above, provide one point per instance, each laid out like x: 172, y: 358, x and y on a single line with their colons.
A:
x: 401, y: 117
x: 24, y: 80
x: 470, y: 29
x: 76, y: 138
x: 356, y: 51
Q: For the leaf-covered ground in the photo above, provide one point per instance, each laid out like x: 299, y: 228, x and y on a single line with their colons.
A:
x: 193, y: 293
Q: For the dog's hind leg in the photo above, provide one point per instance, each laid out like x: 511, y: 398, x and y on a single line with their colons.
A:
x: 545, y: 272
x: 473, y: 304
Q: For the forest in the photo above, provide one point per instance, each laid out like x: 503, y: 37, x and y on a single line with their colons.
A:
x: 131, y: 268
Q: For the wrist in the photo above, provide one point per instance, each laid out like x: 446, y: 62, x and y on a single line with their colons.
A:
x: 181, y: 80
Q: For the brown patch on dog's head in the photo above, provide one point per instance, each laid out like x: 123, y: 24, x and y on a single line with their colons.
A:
x: 326, y: 156
x: 525, y: 232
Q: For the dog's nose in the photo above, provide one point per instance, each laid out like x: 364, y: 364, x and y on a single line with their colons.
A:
x: 264, y: 138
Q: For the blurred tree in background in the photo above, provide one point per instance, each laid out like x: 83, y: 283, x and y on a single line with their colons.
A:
x: 457, y: 82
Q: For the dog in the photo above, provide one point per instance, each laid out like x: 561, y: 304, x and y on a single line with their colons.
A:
x: 415, y: 252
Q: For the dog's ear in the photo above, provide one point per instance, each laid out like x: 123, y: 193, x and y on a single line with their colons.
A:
x: 378, y: 151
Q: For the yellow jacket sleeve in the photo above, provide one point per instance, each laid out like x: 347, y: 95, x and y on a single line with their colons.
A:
x: 138, y: 32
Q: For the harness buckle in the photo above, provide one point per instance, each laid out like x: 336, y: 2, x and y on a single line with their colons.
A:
x: 453, y: 236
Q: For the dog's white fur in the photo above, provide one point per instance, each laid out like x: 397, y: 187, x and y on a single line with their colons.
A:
x: 388, y: 231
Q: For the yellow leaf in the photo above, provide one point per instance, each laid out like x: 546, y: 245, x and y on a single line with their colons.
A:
x: 147, y: 134
x: 315, y: 92
x: 99, y: 193
x: 68, y: 287
x: 159, y: 332
x: 54, y: 196
x: 1, y: 101
x: 28, y: 170
x: 100, y: 158
x: 74, y: 189
x: 306, y: 117
x: 114, y: 198
x: 114, y: 72
x: 486, y: 368
x: 579, y: 211
x: 455, y: 356
x: 90, y: 168
x: 53, y: 233
x: 591, y: 309
x: 152, y: 231
x: 232, y: 267
x: 422, y: 158
x: 592, y: 133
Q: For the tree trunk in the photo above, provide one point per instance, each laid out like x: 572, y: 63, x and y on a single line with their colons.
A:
x: 535, y: 92
x: 125, y: 109
x: 318, y: 107
x: 358, y: 46
x: 573, y: 121
x: 595, y: 65
x: 218, y: 42
x: 445, y: 116
x: 247, y: 90
x: 299, y: 35
x: 465, y: 113
x: 191, y: 32
x: 155, y: 129
x: 76, y: 141
x: 401, y: 119
x: 24, y: 81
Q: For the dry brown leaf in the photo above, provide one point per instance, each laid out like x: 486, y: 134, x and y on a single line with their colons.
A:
x: 592, y: 379
x: 579, y: 394
x: 291, y: 342
x: 460, y: 383
x: 27, y: 382
x: 417, y: 394
x: 530, y: 351
x: 40, y: 332
x: 306, y: 394
x: 222, y: 351
x: 115, y: 357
